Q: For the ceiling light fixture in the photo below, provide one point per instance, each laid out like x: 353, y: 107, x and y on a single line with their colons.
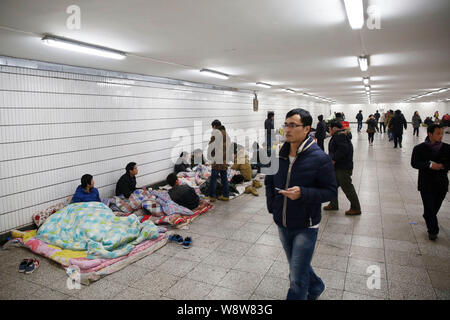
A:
x: 363, y: 63
x: 264, y: 85
x: 214, y: 74
x: 367, y: 88
x: 355, y: 13
x: 366, y: 81
x: 289, y: 90
x: 82, y: 47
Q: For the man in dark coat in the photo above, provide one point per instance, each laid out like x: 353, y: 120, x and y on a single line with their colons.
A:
x: 340, y: 149
x: 127, y: 183
x: 397, y: 123
x: 432, y: 159
x: 304, y: 180
x: 359, y: 118
x: 321, y: 131
x: 268, y: 126
x: 182, y: 194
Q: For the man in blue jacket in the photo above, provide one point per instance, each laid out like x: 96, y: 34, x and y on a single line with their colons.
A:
x: 86, y: 191
x: 305, y: 179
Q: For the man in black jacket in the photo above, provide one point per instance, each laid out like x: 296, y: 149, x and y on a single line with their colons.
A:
x: 340, y: 149
x: 182, y: 194
x: 268, y: 126
x: 359, y: 118
x: 127, y: 182
x: 432, y: 158
x: 396, y: 125
x: 321, y: 131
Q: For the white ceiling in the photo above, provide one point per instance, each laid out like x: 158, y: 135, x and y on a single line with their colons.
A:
x: 304, y: 45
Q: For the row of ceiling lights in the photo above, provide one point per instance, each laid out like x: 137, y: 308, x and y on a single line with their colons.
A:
x: 355, y: 14
x: 427, y: 94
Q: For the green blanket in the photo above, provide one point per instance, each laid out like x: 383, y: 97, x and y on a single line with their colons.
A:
x: 93, y: 227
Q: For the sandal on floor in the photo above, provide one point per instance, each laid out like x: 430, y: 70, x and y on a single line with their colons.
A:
x: 187, y: 242
x: 23, y: 265
x: 176, y: 238
x: 32, y: 265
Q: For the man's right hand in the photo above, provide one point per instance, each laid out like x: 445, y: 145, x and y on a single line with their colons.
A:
x: 437, y: 166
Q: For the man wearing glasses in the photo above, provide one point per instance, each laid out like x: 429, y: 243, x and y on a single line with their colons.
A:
x: 305, y: 179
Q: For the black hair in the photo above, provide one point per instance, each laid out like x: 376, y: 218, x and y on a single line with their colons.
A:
x: 320, y: 117
x: 130, y: 166
x: 85, y: 180
x: 183, y: 154
x: 222, y: 128
x: 216, y: 123
x: 338, y: 115
x: 334, y: 123
x: 270, y: 114
x: 305, y: 116
x: 433, y: 127
x: 172, y: 179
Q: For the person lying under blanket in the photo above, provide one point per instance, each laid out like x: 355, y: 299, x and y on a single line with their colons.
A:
x: 182, y: 194
x: 86, y: 191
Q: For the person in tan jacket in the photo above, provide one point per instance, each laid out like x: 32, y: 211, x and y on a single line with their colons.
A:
x: 242, y: 164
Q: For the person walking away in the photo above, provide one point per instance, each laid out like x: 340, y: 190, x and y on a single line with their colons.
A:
x: 340, y: 149
x: 268, y: 126
x: 389, y: 116
x: 377, y: 116
x: 359, y: 117
x: 416, y: 121
x: 432, y: 159
x: 397, y: 123
x: 382, y: 123
x: 294, y: 194
x: 436, y: 116
x: 321, y: 131
x: 372, y: 125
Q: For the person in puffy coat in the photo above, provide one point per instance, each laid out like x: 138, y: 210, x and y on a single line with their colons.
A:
x: 295, y: 190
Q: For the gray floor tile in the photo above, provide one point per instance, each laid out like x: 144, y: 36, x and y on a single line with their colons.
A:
x: 207, y: 273
x: 368, y: 242
x: 253, y: 264
x: 240, y: 281
x: 408, y: 291
x: 332, y: 262
x: 273, y: 287
x: 412, y: 275
x: 332, y: 279
x: 366, y: 285
x: 279, y: 270
x: 263, y: 251
x: 136, y: 294
x: 364, y: 253
x: 440, y: 280
x: 222, y: 259
x: 177, y: 267
x: 361, y: 267
x: 234, y: 247
x: 155, y: 282
x: 187, y: 289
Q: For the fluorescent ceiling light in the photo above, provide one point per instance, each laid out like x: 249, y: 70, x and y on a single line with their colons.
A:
x: 264, y: 85
x: 366, y: 81
x: 82, y: 47
x: 363, y: 64
x: 355, y: 13
x: 215, y: 74
x: 367, y: 88
x: 289, y: 90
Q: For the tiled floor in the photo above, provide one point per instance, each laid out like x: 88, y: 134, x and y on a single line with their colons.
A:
x: 236, y: 252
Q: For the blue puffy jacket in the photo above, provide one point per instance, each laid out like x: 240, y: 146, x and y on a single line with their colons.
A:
x: 312, y: 170
x: 82, y: 196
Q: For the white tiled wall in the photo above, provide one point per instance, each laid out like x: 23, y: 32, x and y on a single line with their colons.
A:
x: 57, y: 126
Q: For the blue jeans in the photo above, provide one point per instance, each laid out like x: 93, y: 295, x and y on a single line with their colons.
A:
x: 359, y: 126
x: 213, y: 183
x: 299, y: 246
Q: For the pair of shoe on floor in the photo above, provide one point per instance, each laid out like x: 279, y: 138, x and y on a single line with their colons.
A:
x: 186, y: 242
x: 28, y: 265
x: 252, y: 189
x: 351, y: 212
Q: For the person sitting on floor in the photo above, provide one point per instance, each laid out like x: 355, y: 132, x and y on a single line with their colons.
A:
x: 127, y: 182
x: 182, y: 194
x: 197, y: 158
x: 86, y: 191
x: 182, y: 164
x: 242, y: 164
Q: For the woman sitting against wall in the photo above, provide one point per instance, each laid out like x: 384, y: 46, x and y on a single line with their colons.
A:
x: 86, y: 191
